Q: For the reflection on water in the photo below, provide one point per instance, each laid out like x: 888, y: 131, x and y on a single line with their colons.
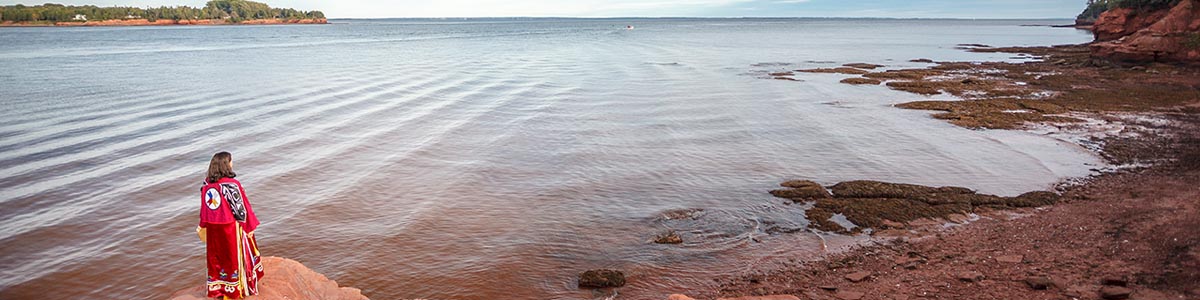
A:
x: 477, y: 159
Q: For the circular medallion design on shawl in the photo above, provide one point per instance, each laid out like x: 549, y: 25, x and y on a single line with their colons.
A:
x: 212, y: 198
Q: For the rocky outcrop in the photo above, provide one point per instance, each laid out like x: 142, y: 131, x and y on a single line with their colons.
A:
x: 1120, y: 22
x: 1131, y: 35
x: 286, y: 279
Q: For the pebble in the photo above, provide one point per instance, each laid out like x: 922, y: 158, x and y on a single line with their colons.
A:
x: 848, y: 295
x: 1039, y: 282
x: 1112, y: 292
x: 970, y: 276
x: 1012, y: 259
x: 858, y: 276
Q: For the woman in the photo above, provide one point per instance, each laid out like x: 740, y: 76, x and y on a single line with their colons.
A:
x: 227, y: 226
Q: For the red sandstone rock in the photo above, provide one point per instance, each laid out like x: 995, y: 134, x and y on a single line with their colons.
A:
x: 1120, y: 22
x: 1164, y: 35
x: 772, y: 297
x: 858, y: 276
x: 286, y: 279
x: 1112, y: 292
x: 848, y: 295
x: 1012, y: 259
x: 679, y: 297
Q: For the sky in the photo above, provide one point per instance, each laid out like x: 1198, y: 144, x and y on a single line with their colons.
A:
x: 988, y: 9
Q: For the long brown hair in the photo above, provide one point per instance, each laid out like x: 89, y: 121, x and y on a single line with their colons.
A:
x: 220, y: 167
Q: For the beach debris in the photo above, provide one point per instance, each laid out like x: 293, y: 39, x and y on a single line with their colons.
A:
x: 601, y: 278
x: 922, y: 60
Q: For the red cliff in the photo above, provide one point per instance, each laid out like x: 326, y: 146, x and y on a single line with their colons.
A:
x: 1169, y: 35
x: 286, y: 279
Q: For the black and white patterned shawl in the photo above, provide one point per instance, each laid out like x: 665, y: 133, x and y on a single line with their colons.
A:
x: 233, y: 195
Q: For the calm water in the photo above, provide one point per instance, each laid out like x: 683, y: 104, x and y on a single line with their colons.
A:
x: 469, y: 159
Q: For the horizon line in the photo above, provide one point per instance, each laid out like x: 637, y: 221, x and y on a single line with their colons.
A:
x: 747, y: 17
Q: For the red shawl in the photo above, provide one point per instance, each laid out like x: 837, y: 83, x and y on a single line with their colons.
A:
x: 234, y: 267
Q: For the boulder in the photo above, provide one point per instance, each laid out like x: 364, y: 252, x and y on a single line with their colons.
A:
x: 601, y: 278
x: 286, y: 279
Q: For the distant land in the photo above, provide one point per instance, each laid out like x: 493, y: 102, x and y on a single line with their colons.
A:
x: 216, y: 12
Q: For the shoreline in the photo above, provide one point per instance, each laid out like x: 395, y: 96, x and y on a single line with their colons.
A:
x: 1132, y: 232
x: 164, y: 22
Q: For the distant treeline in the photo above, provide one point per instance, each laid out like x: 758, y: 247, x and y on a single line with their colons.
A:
x: 230, y: 10
x: 1096, y: 7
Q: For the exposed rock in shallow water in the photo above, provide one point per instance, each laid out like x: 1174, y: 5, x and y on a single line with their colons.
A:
x: 859, y: 80
x: 668, y: 238
x: 601, y: 278
x: 679, y: 214
x: 864, y: 66
x: 839, y: 70
x: 993, y: 113
x: 799, y: 190
x: 881, y: 205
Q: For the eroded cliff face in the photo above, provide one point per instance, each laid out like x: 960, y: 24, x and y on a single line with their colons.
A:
x: 286, y: 279
x: 1171, y: 35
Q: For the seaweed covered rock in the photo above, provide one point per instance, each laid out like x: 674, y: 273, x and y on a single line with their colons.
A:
x: 860, y: 81
x: 880, y: 205
x: 863, y: 66
x: 671, y: 237
x: 799, y: 190
x: 601, y: 278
